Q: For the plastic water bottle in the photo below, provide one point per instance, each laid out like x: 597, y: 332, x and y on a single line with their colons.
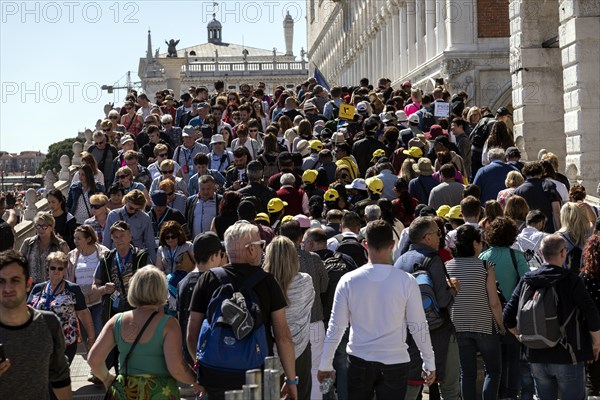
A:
x: 326, y: 385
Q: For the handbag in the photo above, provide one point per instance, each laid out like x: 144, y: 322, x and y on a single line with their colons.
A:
x: 118, y: 390
x: 186, y: 264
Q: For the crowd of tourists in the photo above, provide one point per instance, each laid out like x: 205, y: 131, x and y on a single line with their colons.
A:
x: 375, y: 253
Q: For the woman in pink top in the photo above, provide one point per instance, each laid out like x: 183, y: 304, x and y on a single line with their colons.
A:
x: 415, y: 96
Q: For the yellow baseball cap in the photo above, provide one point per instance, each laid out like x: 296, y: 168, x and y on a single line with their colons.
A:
x: 310, y: 176
x: 454, y: 213
x: 287, y: 218
x: 276, y: 205
x: 443, y: 211
x: 377, y: 154
x: 315, y: 145
x: 414, y: 152
x: 263, y: 217
x: 375, y: 185
x: 331, y: 195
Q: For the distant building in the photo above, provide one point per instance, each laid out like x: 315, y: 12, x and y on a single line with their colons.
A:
x: 234, y: 64
x: 25, y: 162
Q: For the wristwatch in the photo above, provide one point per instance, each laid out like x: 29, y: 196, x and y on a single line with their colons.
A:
x: 292, y: 381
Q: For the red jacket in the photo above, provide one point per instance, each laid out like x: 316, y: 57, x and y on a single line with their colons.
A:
x: 293, y: 197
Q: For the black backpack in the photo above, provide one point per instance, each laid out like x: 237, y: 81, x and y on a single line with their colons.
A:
x: 352, y: 247
x: 335, y: 112
x: 336, y: 266
x: 481, y: 132
x: 427, y: 119
x: 573, y: 261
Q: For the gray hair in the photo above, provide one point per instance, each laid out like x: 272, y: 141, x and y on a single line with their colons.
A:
x: 287, y: 179
x: 496, y: 153
x: 98, y: 134
x: 419, y: 228
x: 372, y: 212
x: 167, y: 118
x: 254, y: 175
x: 237, y: 236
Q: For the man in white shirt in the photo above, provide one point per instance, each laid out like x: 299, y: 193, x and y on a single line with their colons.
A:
x: 378, y: 359
x: 470, y: 208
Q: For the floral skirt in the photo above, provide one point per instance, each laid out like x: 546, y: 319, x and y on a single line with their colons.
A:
x: 143, y: 387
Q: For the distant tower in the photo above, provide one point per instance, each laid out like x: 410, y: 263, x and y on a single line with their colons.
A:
x: 214, y: 28
x: 288, y: 30
x: 149, y: 50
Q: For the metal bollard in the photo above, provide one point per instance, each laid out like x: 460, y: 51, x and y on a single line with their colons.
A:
x: 274, y: 380
x: 234, y: 395
x: 251, y: 392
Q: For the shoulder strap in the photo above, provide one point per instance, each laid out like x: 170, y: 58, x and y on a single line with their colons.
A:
x: 221, y: 275
x: 135, y: 342
x: 254, y: 279
x: 514, y: 260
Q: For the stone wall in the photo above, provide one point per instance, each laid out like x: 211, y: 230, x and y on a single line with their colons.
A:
x: 580, y: 50
x: 536, y: 78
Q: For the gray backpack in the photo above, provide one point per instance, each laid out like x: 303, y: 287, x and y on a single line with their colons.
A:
x: 537, y: 319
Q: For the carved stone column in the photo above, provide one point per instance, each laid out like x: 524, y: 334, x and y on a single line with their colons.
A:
x: 536, y: 69
x: 580, y: 43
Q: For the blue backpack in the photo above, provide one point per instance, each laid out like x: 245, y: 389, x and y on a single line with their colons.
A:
x: 433, y: 313
x: 222, y: 358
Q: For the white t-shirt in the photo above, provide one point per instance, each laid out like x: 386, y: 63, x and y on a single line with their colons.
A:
x: 84, y: 273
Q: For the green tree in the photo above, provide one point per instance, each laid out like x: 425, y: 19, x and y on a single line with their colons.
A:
x: 55, y: 151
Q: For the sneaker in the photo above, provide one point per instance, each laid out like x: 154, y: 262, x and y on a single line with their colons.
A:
x: 93, y: 379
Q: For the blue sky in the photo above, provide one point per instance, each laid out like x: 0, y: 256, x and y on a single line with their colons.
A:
x: 55, y: 56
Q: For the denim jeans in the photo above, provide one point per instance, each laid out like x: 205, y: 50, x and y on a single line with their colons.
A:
x: 568, y: 380
x: 469, y: 343
x: 388, y: 382
x: 511, y: 369
x: 340, y: 364
x: 527, y: 384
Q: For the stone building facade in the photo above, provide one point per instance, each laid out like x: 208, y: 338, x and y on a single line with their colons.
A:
x: 416, y: 40
x: 554, y: 61
x: 539, y: 57
x: 234, y: 64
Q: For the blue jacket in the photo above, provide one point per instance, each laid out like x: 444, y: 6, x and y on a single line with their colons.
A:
x: 193, y: 183
x: 75, y: 191
x: 490, y: 179
x: 420, y: 187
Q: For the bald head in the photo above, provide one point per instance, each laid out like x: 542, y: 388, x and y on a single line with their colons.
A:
x: 554, y: 249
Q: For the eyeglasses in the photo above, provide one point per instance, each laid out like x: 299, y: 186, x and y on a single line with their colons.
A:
x: 170, y: 171
x: 252, y: 130
x: 122, y: 176
x: 260, y: 243
x: 99, y: 143
x: 170, y: 237
x: 60, y: 269
x: 113, y: 117
x: 163, y: 155
x: 42, y: 227
x: 96, y: 206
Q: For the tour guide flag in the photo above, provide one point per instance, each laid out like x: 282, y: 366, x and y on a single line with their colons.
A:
x: 321, y: 79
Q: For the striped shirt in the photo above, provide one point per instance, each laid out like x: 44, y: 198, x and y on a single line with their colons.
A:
x: 471, y: 311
